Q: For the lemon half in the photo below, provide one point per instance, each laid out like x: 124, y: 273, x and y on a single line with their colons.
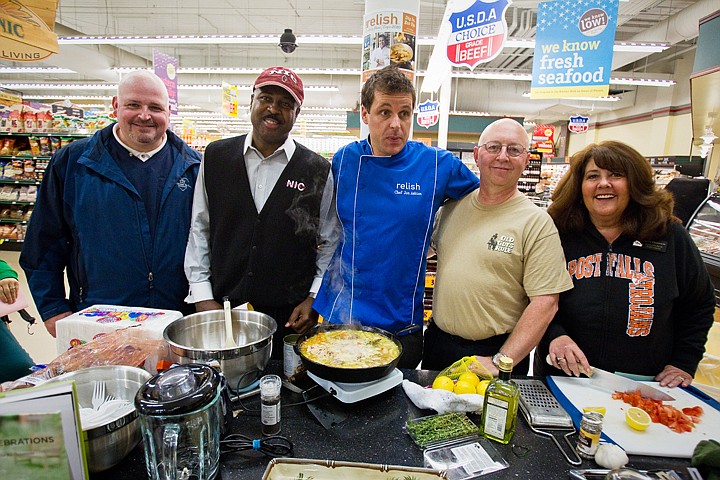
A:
x: 637, y: 418
x: 600, y: 410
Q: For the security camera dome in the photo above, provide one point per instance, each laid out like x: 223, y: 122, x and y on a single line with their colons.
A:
x: 287, y: 41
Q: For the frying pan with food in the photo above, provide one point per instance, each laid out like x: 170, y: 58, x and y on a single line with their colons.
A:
x: 344, y: 374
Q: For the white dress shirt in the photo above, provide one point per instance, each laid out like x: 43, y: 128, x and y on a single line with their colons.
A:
x: 263, y: 173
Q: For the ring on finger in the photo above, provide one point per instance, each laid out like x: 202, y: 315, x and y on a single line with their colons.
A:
x: 559, y: 358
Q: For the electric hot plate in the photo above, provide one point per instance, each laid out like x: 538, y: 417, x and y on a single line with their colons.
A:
x: 354, y: 392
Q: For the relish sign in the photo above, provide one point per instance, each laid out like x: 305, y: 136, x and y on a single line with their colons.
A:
x: 24, y: 36
x: 477, y: 33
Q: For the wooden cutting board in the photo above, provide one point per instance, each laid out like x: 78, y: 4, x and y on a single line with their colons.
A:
x: 658, y: 440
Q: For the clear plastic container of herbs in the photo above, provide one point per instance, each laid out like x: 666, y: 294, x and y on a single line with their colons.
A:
x: 452, y: 443
x: 438, y: 429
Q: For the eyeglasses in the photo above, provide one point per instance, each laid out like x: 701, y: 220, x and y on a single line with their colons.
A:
x: 513, y: 150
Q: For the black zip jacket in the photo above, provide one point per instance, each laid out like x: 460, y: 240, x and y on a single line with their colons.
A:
x: 635, y: 306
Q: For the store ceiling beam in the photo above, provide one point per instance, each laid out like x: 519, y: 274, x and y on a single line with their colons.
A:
x: 680, y: 27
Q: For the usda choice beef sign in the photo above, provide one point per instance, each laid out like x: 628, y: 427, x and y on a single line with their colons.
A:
x: 478, y: 33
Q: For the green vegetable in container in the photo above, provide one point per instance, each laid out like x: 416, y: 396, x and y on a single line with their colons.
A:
x: 427, y: 430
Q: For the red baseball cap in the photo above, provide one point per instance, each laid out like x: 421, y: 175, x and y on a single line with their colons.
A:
x: 284, y: 78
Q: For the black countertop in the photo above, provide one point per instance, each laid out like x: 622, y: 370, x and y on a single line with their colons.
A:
x: 372, y: 433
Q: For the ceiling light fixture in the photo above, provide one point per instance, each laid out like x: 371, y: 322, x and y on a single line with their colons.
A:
x: 59, y: 86
x: 105, y: 98
x: 646, y: 82
x: 523, y: 77
x: 26, y: 70
x: 113, y: 86
x: 705, y: 150
x: 640, y: 47
x: 709, y: 137
x: 247, y: 71
x: 610, y: 98
x: 356, y: 40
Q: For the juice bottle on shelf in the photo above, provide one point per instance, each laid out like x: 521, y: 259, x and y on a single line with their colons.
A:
x: 500, y: 406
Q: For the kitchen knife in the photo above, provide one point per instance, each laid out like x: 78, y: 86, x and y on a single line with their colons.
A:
x: 611, y: 382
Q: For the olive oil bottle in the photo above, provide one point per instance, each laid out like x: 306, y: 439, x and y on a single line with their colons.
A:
x: 500, y: 406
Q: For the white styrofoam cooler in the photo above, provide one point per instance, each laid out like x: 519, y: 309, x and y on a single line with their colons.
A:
x: 83, y: 326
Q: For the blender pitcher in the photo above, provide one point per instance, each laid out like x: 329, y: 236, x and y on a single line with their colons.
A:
x: 181, y: 415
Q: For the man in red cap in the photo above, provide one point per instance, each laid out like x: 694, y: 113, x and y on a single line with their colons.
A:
x: 263, y: 221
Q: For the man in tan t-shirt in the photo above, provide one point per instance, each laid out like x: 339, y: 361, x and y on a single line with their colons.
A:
x: 500, y: 264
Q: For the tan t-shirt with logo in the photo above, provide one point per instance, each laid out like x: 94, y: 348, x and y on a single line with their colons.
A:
x: 490, y: 260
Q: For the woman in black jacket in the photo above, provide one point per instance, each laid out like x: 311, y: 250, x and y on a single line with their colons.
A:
x: 642, y: 301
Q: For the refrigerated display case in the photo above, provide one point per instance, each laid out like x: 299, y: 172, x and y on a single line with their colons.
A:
x: 704, y: 228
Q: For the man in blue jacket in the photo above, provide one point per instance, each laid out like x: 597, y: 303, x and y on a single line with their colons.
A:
x: 114, y: 211
x: 388, y: 191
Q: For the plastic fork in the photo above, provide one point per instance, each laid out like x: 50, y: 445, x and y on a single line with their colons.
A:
x: 98, y: 397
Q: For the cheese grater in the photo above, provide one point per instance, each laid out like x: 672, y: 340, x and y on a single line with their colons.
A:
x: 541, y: 410
x: 539, y: 406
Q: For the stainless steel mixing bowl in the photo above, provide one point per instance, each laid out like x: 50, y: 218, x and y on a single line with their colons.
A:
x: 107, y: 444
x: 200, y: 338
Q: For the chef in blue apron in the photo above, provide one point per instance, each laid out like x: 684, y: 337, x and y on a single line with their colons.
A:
x: 388, y: 191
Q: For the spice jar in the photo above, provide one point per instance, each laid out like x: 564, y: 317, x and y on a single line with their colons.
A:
x: 589, y: 436
x: 270, y: 404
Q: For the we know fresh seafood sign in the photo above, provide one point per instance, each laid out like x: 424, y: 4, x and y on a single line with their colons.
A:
x: 573, y: 48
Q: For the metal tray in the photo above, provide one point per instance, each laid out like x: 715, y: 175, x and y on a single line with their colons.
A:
x: 290, y: 468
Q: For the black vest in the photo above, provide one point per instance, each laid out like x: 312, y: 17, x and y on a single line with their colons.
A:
x: 267, y: 258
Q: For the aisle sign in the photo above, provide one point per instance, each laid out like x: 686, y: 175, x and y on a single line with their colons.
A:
x: 578, y: 124
x: 230, y: 100
x: 573, y: 48
x: 389, y: 36
x: 543, y: 139
x: 165, y: 67
x: 428, y: 113
x: 24, y: 36
x: 477, y: 33
x: 390, y: 29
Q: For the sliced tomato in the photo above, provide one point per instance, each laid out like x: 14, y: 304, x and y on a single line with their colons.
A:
x: 676, y: 420
x: 693, y: 411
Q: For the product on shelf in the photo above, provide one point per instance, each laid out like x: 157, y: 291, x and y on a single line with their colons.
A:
x: 34, y: 143
x: 7, y: 147
x: 45, y: 146
x: 8, y: 193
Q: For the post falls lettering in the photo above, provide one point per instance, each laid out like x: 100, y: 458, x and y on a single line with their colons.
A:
x: 641, y: 285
